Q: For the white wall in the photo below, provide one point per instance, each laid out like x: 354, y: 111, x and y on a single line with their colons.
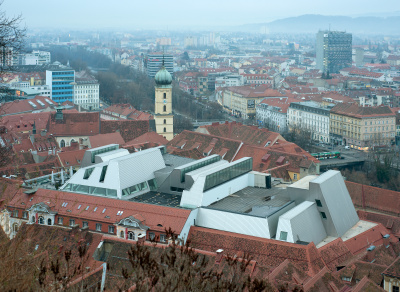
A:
x: 195, y: 197
x: 233, y: 222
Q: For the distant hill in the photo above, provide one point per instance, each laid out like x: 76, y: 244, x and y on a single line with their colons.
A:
x: 311, y: 23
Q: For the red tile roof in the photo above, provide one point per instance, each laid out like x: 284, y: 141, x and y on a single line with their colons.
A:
x: 205, y: 143
x: 105, y: 139
x: 71, y: 158
x: 155, y: 217
x: 353, y: 110
x: 373, y: 236
x: 390, y: 222
x: 334, y: 253
x: 282, y: 103
x: 74, y: 124
x: 24, y: 122
x: 24, y: 106
x: 251, y: 135
x: 383, y: 200
x: 152, y: 137
x: 266, y: 252
x: 263, y: 90
x: 393, y: 270
x: 129, y: 129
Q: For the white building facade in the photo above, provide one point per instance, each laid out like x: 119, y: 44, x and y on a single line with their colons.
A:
x: 311, y: 116
x: 86, y: 94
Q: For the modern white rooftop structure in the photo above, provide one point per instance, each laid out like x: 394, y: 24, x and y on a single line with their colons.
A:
x: 222, y: 195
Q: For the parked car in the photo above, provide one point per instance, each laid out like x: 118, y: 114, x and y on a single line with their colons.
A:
x: 347, y: 147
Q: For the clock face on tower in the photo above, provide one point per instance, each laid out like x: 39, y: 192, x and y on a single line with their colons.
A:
x: 165, y: 101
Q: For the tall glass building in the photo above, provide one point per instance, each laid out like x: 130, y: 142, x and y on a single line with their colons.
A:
x: 60, y: 84
x: 333, y: 50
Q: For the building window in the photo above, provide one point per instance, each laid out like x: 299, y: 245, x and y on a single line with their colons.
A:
x: 15, y: 227
x: 165, y: 95
x: 131, y: 235
x: 49, y: 222
x: 165, y: 121
x: 152, y: 236
x: 60, y: 220
x: 24, y: 215
x: 41, y: 220
x: 319, y: 204
x: 165, y: 108
x: 15, y: 213
x: 98, y: 227
x: 85, y: 224
x: 62, y: 143
x: 110, y: 228
x: 71, y: 222
x: 395, y: 288
x: 323, y: 215
x: 122, y: 234
x: 162, y: 237
x: 283, y: 236
x: 165, y: 129
x: 295, y: 176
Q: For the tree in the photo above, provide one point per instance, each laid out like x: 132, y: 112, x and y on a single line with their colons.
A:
x: 12, y: 38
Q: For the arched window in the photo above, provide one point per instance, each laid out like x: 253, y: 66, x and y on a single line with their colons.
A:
x: 41, y: 220
x: 62, y: 143
x: 33, y: 219
x: 15, y: 227
x: 165, y: 130
x: 49, y: 221
x: 122, y: 234
x: 165, y: 95
x: 72, y: 140
x: 165, y: 121
x: 165, y: 108
x: 131, y: 235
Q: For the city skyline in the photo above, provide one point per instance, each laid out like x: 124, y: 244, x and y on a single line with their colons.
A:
x: 204, y: 14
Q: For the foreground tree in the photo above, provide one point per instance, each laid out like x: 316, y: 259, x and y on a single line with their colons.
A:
x: 12, y: 37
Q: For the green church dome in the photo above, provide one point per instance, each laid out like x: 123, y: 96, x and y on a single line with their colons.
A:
x: 163, y: 77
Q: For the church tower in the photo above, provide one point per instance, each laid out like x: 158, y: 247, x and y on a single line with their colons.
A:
x: 163, y: 104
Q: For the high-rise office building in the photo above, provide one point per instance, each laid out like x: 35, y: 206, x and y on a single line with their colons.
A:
x: 154, y: 62
x: 333, y: 51
x: 60, y: 84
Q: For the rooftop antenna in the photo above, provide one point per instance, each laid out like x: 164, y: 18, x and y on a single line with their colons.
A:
x: 163, y: 56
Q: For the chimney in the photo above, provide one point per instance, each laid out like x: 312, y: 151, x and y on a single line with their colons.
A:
x: 219, y: 256
x: 371, y: 253
x: 141, y: 238
x: 34, y: 128
x: 386, y: 240
x: 59, y: 114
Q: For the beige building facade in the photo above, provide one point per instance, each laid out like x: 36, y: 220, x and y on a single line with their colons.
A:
x: 362, y: 127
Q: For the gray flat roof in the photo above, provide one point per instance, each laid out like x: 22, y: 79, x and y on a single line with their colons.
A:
x: 157, y: 198
x: 254, y: 201
x: 174, y: 161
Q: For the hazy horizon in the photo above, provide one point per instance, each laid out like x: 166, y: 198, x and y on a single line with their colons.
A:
x: 131, y: 15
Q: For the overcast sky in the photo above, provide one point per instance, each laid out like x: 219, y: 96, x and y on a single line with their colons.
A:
x: 159, y: 14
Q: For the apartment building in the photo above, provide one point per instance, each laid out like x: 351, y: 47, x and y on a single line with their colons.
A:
x: 362, y: 127
x: 311, y: 116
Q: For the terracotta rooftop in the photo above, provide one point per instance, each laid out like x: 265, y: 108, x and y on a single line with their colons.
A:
x: 148, y: 137
x: 129, y: 129
x: 353, y: 110
x: 205, y: 143
x: 27, y: 105
x: 74, y: 124
x: 71, y: 158
x: 373, y: 198
x: 105, y: 139
x: 155, y: 217
x: 266, y: 252
x: 251, y: 135
x: 393, y: 270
